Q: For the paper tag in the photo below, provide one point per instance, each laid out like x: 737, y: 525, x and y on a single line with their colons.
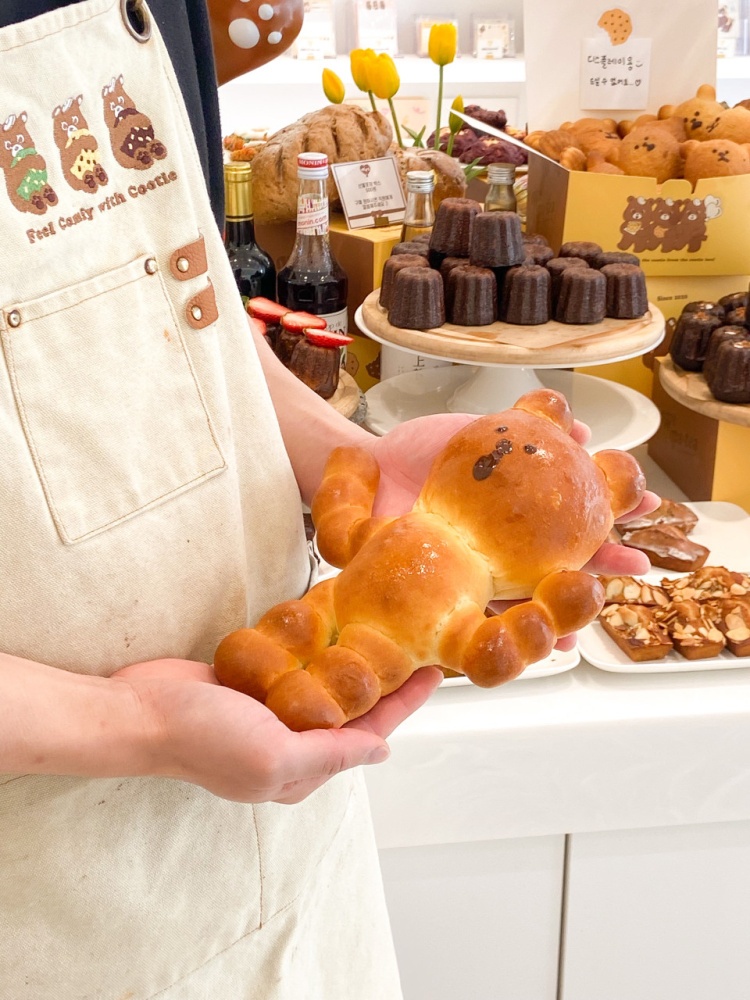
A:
x: 370, y: 192
x: 377, y: 25
x: 615, y: 76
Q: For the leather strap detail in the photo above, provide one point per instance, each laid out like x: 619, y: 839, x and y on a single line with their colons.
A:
x: 201, y: 311
x: 189, y: 261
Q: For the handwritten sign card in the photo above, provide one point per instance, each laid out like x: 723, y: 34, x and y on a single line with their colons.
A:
x: 615, y: 76
x: 370, y: 192
x: 569, y: 43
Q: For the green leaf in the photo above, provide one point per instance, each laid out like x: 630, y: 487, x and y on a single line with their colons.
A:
x: 418, y: 137
x: 473, y: 169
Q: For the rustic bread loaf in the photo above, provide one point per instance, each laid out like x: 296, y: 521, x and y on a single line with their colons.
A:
x: 343, y: 132
x: 450, y: 180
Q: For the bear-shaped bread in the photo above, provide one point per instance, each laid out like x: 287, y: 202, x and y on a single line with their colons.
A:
x: 512, y: 508
x: 716, y: 158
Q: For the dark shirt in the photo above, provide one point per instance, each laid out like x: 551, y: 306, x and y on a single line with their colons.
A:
x: 186, y: 30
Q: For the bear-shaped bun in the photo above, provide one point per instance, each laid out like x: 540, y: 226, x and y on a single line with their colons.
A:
x: 697, y: 113
x: 717, y: 158
x: 650, y: 151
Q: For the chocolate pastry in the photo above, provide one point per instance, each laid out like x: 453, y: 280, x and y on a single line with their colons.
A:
x: 668, y: 512
x: 557, y: 267
x: 736, y: 317
x: 692, y: 629
x: 735, y: 300
x: 536, y: 253
x: 496, y: 240
x: 583, y: 297
x: 626, y: 291
x: 579, y: 248
x: 615, y: 257
x: 317, y: 366
x: 667, y: 547
x: 451, y: 234
x: 728, y: 377
x: 690, y: 339
x: 417, y: 301
x: 636, y: 631
x: 526, y: 295
x: 717, y: 338
x: 472, y: 296
x: 414, y: 247
x: 707, y: 307
x: 391, y: 268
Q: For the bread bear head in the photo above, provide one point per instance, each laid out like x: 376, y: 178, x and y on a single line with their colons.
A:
x: 733, y: 123
x: 716, y: 158
x: 650, y: 151
x: 698, y: 113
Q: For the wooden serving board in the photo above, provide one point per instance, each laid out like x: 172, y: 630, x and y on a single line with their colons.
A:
x: 548, y: 344
x: 345, y: 399
x: 690, y: 389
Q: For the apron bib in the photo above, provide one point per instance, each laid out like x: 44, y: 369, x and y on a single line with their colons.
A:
x: 147, y: 508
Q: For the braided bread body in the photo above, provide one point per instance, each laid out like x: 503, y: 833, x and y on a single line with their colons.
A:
x: 512, y: 508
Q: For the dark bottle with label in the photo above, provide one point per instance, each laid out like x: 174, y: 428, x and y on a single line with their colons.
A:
x: 313, y: 281
x: 252, y: 267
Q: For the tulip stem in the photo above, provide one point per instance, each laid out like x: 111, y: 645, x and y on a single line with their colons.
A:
x: 439, y: 109
x: 372, y: 100
x: 395, y: 123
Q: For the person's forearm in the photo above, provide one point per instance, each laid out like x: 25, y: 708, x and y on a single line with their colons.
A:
x: 57, y: 722
x: 310, y: 426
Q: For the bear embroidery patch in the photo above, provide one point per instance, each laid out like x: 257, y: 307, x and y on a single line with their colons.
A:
x: 25, y: 169
x: 79, y: 150
x: 134, y: 143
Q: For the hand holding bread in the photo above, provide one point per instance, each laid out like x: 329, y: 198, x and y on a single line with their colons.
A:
x: 512, y: 508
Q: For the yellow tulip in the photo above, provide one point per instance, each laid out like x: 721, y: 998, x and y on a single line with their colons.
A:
x: 442, y: 43
x: 360, y: 61
x: 333, y: 87
x: 384, y: 78
x: 454, y: 123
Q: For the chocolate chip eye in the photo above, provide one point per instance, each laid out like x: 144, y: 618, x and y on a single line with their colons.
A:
x: 504, y: 447
x: 483, y: 467
x: 530, y: 449
x: 500, y: 430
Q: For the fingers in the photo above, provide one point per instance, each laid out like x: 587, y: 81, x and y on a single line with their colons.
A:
x: 581, y: 433
x: 649, y: 502
x: 566, y: 643
x: 618, y: 560
x: 392, y: 710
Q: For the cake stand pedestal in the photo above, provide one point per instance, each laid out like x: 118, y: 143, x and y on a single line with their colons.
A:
x: 494, y: 366
x: 690, y: 389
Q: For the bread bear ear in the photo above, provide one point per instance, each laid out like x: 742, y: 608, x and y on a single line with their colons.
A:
x: 548, y: 404
x: 666, y: 111
x: 686, y: 148
x: 706, y: 92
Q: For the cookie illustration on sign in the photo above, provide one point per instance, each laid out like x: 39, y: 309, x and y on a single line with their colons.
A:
x: 79, y: 150
x: 617, y: 24
x: 25, y: 169
x: 134, y: 142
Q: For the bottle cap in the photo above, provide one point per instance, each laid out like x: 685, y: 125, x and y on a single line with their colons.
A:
x: 501, y: 173
x: 312, y: 166
x: 420, y: 180
x: 238, y: 190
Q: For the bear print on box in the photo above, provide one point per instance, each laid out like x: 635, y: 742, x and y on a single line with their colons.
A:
x: 131, y: 132
x: 637, y: 226
x: 25, y: 169
x: 79, y: 150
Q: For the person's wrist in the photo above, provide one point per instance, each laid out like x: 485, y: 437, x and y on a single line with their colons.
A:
x: 146, y: 742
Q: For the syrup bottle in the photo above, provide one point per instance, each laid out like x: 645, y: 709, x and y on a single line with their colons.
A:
x: 313, y: 280
x: 420, y: 210
x: 501, y: 197
x: 252, y: 267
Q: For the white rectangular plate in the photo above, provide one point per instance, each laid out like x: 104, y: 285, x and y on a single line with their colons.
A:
x: 724, y: 528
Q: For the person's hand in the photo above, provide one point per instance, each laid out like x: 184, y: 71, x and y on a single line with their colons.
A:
x: 236, y: 748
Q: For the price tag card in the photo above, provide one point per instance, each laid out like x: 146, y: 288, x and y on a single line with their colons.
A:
x: 493, y: 39
x: 370, y: 192
x: 377, y: 26
x: 615, y: 76
x: 317, y: 39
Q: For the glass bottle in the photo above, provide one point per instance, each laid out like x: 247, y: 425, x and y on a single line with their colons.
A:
x: 312, y: 280
x: 252, y: 267
x: 420, y: 210
x: 501, y: 196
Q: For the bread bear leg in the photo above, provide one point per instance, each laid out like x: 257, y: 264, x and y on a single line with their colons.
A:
x: 491, y: 651
x: 285, y: 639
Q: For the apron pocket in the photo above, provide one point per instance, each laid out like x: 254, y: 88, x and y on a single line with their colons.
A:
x: 110, y: 405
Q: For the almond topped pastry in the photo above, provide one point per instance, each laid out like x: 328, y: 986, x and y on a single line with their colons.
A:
x: 692, y: 628
x: 734, y: 622
x: 629, y: 590
x: 708, y: 583
x: 636, y: 631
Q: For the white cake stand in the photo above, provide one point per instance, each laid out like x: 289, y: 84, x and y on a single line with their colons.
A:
x: 489, y: 375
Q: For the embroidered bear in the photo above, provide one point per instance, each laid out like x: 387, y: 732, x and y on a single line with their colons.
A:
x: 79, y: 150
x: 25, y: 169
x: 131, y: 132
x: 637, y: 226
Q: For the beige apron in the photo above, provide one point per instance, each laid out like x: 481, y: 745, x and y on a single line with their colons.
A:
x: 146, y: 509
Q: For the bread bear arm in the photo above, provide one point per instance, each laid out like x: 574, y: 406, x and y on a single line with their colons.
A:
x: 342, y: 506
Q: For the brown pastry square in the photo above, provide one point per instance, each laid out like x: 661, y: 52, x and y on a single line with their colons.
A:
x: 668, y: 548
x: 692, y: 629
x: 734, y: 622
x: 707, y: 584
x: 668, y: 512
x: 629, y: 590
x: 636, y: 631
